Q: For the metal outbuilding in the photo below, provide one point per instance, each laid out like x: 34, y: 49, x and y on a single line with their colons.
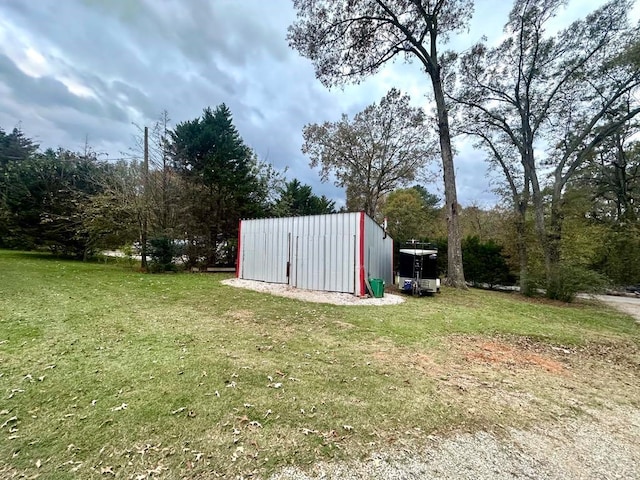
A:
x: 335, y: 252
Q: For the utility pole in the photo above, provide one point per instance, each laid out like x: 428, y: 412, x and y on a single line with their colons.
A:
x: 145, y: 188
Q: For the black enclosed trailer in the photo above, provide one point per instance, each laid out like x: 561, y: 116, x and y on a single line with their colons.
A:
x: 417, y: 273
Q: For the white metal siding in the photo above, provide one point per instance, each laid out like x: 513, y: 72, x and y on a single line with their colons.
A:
x: 378, y: 252
x: 323, y: 251
x: 263, y: 248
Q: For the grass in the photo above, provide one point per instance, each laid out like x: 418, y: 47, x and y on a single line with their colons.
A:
x: 106, y: 371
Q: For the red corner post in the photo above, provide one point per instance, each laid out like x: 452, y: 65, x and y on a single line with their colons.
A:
x: 363, y: 286
x: 238, y: 249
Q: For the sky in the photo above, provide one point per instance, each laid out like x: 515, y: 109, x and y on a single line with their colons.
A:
x: 88, y: 71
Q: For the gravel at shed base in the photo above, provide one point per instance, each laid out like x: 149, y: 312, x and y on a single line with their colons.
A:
x: 313, y: 295
x: 600, y: 445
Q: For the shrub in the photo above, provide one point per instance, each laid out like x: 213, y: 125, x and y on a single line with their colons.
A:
x: 566, y: 281
x: 162, y: 251
x: 484, y: 263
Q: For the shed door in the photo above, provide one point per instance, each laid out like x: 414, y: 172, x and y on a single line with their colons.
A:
x: 323, y: 262
x: 264, y: 257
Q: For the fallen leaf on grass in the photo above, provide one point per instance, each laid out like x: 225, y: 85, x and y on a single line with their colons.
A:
x: 9, y: 420
x: 239, y: 450
x: 156, y: 471
x: 243, y: 419
x: 14, y: 391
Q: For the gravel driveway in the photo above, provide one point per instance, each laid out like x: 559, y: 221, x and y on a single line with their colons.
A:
x: 603, y: 444
x: 628, y: 305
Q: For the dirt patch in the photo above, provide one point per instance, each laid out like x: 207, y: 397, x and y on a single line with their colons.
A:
x: 495, y: 352
x: 242, y: 315
x: 425, y: 364
x: 343, y: 325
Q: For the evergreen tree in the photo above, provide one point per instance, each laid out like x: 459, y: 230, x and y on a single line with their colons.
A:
x: 298, y: 199
x: 221, y: 182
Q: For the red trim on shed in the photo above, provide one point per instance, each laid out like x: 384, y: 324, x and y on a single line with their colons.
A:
x: 363, y: 286
x: 393, y: 264
x: 238, y: 251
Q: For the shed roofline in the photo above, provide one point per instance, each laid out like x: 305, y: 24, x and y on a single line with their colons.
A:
x: 316, y: 215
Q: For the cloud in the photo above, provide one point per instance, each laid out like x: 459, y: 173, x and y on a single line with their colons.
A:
x: 92, y: 68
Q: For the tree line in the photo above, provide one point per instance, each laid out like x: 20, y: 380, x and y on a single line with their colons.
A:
x: 200, y: 180
x: 75, y: 204
x: 553, y: 112
x: 550, y: 110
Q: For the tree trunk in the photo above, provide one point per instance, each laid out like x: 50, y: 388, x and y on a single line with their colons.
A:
x: 143, y: 247
x: 455, y: 272
x: 553, y: 247
x: 528, y: 163
x: 521, y: 241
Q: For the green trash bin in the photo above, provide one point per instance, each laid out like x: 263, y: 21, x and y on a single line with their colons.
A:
x: 377, y: 287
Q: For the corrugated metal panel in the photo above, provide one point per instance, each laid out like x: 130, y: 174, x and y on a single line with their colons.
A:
x: 322, y: 251
x: 378, y: 259
x: 318, y: 252
x: 324, y: 258
x: 264, y: 250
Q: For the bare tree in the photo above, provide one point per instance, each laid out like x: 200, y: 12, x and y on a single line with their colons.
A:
x: 548, y: 99
x: 612, y: 177
x: 348, y: 40
x: 381, y: 149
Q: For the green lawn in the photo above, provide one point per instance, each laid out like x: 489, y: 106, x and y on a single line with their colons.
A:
x: 107, y: 371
